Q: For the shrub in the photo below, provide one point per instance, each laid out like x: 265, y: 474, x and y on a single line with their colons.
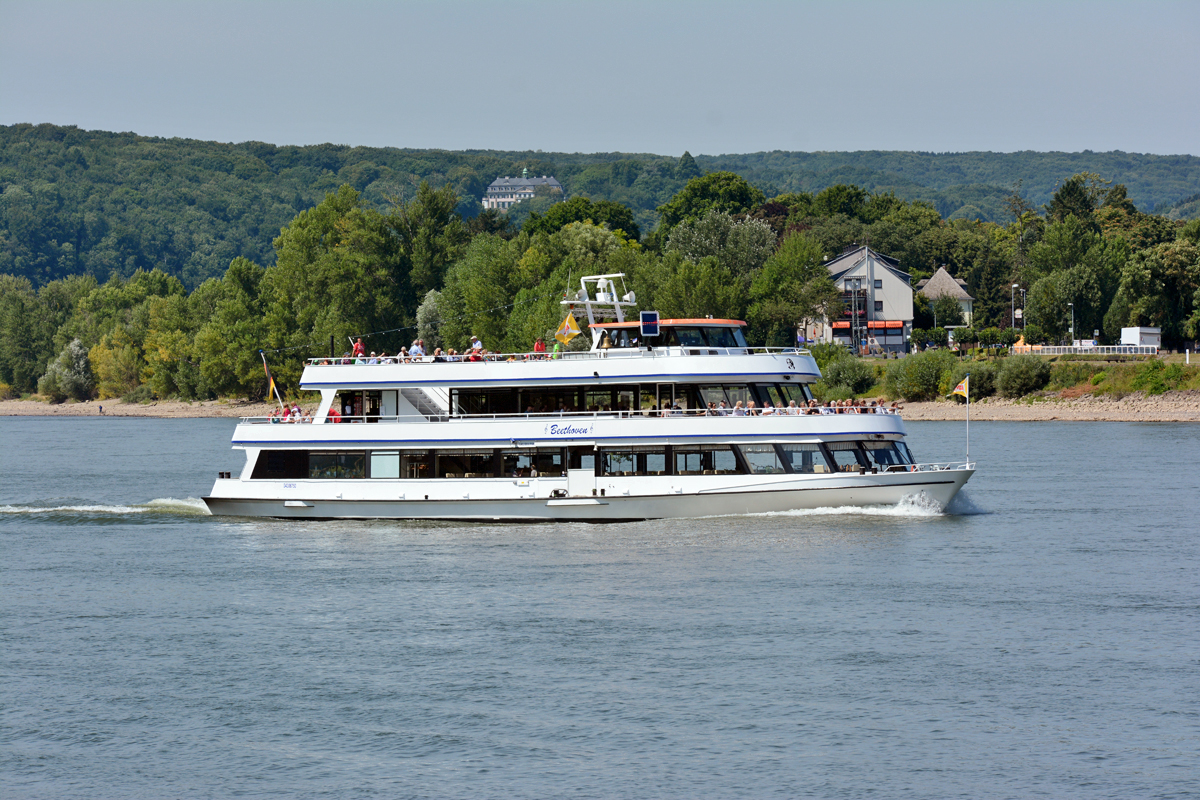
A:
x: 1065, y: 374
x: 1156, y: 377
x: 1098, y: 378
x: 917, y: 377
x: 853, y: 373
x: 6, y: 392
x: 69, y: 375
x: 825, y: 353
x: 983, y: 379
x: 824, y: 392
x: 142, y: 394
x: 1022, y: 374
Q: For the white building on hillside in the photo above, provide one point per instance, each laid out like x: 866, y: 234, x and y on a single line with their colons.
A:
x: 877, y: 302
x: 504, y: 193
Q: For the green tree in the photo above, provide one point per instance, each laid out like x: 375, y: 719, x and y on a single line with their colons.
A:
x: 687, y: 169
x: 718, y: 191
x: 430, y: 236
x: 740, y: 246
x: 616, y: 216
x: 1162, y: 285
x: 947, y: 311
x: 70, y: 375
x: 792, y: 289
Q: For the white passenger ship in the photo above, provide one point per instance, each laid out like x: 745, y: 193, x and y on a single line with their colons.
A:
x: 623, y: 431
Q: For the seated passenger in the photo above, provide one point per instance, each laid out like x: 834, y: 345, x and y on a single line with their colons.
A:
x: 437, y: 355
x: 791, y: 408
x: 722, y: 409
x: 738, y: 410
x: 752, y: 409
x: 768, y: 410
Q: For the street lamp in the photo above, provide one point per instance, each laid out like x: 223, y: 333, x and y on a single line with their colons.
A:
x: 1072, y: 307
x: 1012, y: 301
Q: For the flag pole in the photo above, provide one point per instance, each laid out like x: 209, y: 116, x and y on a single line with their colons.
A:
x: 270, y: 380
x: 968, y: 424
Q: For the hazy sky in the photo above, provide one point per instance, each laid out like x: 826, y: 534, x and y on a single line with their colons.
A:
x: 660, y: 77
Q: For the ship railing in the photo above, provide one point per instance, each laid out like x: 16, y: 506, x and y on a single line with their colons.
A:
x: 685, y: 413
x: 943, y: 466
x: 569, y: 355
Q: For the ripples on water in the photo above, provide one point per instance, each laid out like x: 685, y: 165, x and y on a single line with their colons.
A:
x: 1039, y: 638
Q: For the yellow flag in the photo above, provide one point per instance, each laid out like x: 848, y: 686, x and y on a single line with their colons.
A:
x: 568, y: 330
x: 962, y: 387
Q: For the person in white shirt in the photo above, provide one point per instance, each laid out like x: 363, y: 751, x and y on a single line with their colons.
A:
x: 475, y: 343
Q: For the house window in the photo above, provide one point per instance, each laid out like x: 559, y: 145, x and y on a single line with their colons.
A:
x: 878, y: 284
x: 879, y: 305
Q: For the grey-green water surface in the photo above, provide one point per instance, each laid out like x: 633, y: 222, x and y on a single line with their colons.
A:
x: 1040, y: 640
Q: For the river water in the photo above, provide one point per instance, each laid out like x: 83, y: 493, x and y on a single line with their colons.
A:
x: 1041, y: 639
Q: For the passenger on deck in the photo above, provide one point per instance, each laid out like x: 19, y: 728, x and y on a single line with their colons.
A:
x: 539, y: 348
x: 416, y: 350
x: 475, y: 343
x: 738, y: 410
x: 437, y: 355
x: 752, y: 409
x: 359, y: 348
x: 722, y: 409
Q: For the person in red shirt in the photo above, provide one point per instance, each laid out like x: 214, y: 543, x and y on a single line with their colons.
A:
x: 539, y: 348
x: 359, y: 350
x: 334, y: 416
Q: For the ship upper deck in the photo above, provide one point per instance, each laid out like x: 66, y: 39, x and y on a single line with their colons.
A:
x: 616, y: 365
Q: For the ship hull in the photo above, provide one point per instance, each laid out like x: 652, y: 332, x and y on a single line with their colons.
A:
x: 887, y: 489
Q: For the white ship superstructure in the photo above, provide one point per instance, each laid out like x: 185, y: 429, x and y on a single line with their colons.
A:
x: 634, y: 428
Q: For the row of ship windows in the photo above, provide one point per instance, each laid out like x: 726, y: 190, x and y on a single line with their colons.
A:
x: 550, y: 462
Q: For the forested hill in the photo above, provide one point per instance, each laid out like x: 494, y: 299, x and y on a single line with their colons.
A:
x: 100, y: 203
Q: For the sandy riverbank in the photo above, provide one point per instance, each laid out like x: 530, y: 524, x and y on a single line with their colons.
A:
x: 115, y: 408
x: 1137, y: 407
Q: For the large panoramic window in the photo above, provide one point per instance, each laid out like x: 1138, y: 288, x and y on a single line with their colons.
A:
x: 281, y: 465
x: 847, y: 456
x: 883, y: 455
x: 804, y: 459
x: 761, y: 458
x: 327, y: 464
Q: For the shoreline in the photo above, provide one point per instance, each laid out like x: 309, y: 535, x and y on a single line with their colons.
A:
x: 164, y: 409
x: 1183, y: 406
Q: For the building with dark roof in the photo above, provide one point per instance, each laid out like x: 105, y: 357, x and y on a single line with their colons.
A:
x: 942, y: 285
x: 504, y: 192
x: 877, y: 302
